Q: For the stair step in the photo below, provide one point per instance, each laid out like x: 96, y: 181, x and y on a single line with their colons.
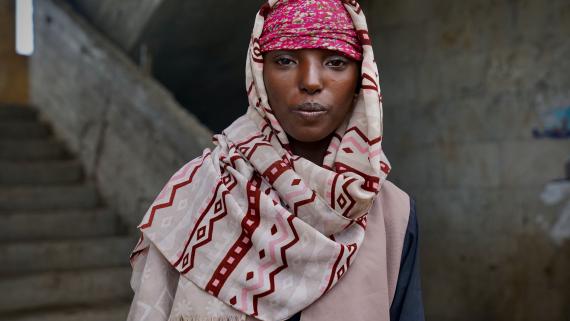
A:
x: 31, y: 149
x: 108, y: 312
x: 47, y: 172
x: 53, y: 197
x: 103, y: 313
x: 43, y: 225
x: 23, y: 129
x: 13, y: 112
x: 25, y: 257
x: 64, y: 288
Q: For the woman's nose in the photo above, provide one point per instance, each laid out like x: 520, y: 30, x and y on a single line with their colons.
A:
x: 310, y: 78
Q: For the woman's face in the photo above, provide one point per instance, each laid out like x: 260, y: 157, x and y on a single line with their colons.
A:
x: 311, y: 91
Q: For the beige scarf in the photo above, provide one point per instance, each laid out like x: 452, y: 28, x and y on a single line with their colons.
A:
x: 262, y: 230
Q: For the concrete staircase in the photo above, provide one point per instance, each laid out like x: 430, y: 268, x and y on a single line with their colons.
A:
x: 63, y: 255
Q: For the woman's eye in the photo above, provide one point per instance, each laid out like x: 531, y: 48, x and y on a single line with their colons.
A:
x: 336, y: 63
x: 284, y: 61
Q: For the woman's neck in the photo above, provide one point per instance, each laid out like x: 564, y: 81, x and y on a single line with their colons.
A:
x: 313, y: 151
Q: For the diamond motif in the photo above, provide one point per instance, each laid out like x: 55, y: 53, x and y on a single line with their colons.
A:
x: 340, y: 272
x: 185, y: 262
x: 261, y: 254
x: 218, y: 206
x: 348, y: 150
x: 273, y: 229
x: 341, y: 201
x: 201, y: 232
x: 233, y: 300
x: 249, y: 276
x: 295, y: 182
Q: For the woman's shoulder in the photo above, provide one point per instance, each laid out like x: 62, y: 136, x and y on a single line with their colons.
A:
x: 394, y: 205
x: 390, y: 190
x: 386, y: 230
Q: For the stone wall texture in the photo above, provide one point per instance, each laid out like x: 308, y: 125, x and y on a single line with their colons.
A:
x: 13, y: 67
x: 464, y: 84
x: 128, y: 130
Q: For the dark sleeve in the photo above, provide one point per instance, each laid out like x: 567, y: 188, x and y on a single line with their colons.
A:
x: 407, y: 304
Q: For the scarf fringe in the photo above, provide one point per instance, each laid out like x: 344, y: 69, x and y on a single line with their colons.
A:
x: 207, y: 318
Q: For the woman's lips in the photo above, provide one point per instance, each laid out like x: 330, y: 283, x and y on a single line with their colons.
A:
x: 310, y: 111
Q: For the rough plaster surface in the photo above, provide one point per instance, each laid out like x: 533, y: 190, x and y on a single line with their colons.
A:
x: 122, y: 21
x: 464, y: 83
x: 128, y: 130
x: 553, y: 194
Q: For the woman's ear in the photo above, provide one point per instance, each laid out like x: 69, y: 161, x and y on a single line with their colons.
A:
x: 358, y: 87
x: 359, y: 80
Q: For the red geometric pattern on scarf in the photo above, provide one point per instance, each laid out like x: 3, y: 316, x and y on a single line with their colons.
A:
x: 243, y: 244
x: 187, y: 257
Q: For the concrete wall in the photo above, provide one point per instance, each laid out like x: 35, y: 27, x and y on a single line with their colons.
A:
x: 122, y: 21
x: 128, y: 130
x: 13, y: 67
x: 181, y: 37
x: 464, y: 84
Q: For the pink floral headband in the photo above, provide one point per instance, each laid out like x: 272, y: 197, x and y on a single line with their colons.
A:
x: 310, y: 24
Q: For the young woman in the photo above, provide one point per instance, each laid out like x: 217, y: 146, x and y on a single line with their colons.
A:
x: 290, y: 217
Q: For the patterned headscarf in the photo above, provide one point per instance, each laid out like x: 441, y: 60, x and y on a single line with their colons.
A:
x: 310, y: 24
x: 258, y: 228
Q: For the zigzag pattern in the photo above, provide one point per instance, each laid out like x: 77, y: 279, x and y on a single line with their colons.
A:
x: 183, y: 172
x: 298, y: 204
x: 363, y: 136
x: 371, y: 183
x: 352, y: 140
x: 299, y: 190
x: 279, y: 269
x: 172, y: 194
x: 272, y: 249
x: 187, y: 258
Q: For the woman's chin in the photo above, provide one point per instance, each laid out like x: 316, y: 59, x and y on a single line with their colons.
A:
x: 308, y: 136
